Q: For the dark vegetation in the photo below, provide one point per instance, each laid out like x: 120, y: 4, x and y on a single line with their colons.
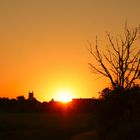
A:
x: 32, y: 120
x: 114, y: 116
x: 119, y: 114
x: 22, y: 105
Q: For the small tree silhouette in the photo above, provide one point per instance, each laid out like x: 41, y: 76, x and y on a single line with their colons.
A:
x: 121, y: 62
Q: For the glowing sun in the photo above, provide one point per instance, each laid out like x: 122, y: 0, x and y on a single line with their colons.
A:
x: 64, y: 96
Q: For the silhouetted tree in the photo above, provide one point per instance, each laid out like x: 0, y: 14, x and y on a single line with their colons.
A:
x: 21, y: 99
x: 121, y: 62
x: 119, y: 114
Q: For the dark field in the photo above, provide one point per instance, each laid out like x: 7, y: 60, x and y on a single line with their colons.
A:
x: 35, y: 126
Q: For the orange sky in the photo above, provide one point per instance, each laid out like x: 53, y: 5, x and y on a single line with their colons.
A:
x: 43, y: 44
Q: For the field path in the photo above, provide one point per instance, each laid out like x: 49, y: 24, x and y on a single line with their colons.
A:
x: 90, y: 135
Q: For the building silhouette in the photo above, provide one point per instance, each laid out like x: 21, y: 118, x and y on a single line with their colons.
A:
x: 31, y: 96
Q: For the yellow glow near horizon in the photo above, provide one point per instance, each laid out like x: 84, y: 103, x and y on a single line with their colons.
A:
x: 64, y: 95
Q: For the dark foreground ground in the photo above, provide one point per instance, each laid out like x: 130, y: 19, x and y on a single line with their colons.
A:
x: 33, y: 126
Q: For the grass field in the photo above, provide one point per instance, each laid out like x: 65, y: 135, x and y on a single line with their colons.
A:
x: 33, y: 126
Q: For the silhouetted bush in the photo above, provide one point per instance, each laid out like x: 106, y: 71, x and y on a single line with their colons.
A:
x: 119, y: 114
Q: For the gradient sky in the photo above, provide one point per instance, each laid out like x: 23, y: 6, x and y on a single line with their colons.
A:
x: 43, y: 44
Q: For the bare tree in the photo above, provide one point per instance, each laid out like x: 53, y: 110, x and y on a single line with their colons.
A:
x: 120, y: 63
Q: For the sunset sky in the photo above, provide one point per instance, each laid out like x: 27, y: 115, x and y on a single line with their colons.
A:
x: 43, y: 44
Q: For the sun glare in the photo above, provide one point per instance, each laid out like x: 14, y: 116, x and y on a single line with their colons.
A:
x: 64, y: 96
